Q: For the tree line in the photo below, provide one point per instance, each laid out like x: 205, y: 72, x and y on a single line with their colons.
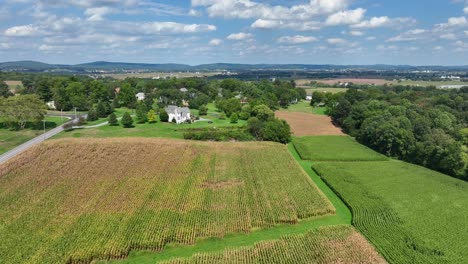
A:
x: 425, y: 126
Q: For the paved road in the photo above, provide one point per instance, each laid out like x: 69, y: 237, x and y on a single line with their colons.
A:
x: 25, y: 146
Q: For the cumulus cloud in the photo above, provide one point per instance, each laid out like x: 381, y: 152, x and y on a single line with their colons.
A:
x: 346, y: 17
x: 215, y: 42
x: 240, y: 36
x: 337, y: 41
x: 384, y: 21
x: 410, y: 35
x: 279, y: 24
x: 23, y: 31
x: 297, y: 39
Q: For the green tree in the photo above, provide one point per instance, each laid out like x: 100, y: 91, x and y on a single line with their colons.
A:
x: 203, y: 110
x: 113, y: 120
x: 317, y: 98
x: 163, y: 116
x: 234, y: 118
x: 246, y: 112
x: 4, y: 90
x: 263, y: 112
x: 276, y: 130
x: 141, y: 113
x: 255, y: 126
x: 101, y: 110
x: 18, y: 110
x: 127, y: 120
x: 151, y: 116
x: 92, y: 114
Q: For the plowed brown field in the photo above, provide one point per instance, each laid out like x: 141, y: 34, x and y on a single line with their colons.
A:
x: 304, y: 124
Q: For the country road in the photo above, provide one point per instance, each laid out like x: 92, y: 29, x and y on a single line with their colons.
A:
x: 25, y: 146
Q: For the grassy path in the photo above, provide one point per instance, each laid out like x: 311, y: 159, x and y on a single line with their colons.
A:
x: 343, y: 216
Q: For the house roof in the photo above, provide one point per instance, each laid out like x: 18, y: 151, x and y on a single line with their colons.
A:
x: 171, y: 109
x: 183, y: 89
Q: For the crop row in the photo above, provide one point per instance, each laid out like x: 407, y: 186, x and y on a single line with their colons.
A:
x: 333, y: 244
x: 75, y: 201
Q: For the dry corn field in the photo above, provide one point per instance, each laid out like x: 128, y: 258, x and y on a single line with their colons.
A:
x: 333, y: 244
x: 77, y: 200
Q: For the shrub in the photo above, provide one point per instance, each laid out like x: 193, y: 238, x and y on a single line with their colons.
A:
x: 113, y: 120
x: 127, y: 120
x: 203, y: 110
x: 234, y: 118
x: 163, y: 116
x: 92, y: 115
x: 151, y: 116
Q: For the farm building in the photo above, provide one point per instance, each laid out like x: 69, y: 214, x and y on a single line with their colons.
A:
x: 309, y: 97
x: 183, y: 89
x: 140, y: 96
x: 179, y: 114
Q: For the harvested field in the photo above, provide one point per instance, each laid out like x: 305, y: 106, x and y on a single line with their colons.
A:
x: 304, y: 124
x: 333, y: 244
x: 74, y: 200
x: 355, y: 81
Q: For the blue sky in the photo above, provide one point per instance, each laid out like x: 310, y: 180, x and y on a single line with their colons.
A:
x: 415, y: 32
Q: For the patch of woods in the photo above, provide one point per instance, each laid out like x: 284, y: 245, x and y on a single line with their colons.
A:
x: 235, y: 99
x: 425, y: 126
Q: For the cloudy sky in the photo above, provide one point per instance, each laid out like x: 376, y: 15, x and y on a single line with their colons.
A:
x: 411, y: 32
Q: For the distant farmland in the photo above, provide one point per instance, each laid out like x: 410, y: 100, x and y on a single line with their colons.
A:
x: 78, y: 200
x: 334, y: 244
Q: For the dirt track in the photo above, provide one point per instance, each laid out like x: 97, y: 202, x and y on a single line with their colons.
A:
x: 304, y: 124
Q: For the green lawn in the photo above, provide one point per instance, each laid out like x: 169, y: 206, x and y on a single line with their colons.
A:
x: 119, y: 112
x: 342, y: 217
x: 9, y: 139
x: 305, y: 107
x: 411, y: 214
x: 334, y: 148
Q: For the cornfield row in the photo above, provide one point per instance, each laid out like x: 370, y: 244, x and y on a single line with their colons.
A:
x: 75, y: 201
x: 333, y: 244
x: 410, y: 214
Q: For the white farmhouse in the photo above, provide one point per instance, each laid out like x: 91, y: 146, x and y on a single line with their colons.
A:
x: 51, y: 105
x: 140, y: 96
x: 179, y: 114
x: 309, y: 98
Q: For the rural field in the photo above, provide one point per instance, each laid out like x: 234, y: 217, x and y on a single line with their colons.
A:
x: 101, y: 198
x: 305, y: 124
x: 409, y: 213
x: 13, y: 85
x: 324, y: 90
x: 334, y: 148
x: 333, y: 244
x: 355, y: 81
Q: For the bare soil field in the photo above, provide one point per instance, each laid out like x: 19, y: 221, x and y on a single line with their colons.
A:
x: 304, y: 124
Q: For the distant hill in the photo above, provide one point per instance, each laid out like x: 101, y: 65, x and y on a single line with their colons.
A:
x: 34, y: 66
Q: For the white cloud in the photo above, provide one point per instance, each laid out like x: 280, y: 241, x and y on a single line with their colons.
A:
x: 240, y: 36
x: 410, y: 35
x: 172, y: 27
x: 385, y: 21
x: 98, y: 13
x: 387, y: 48
x: 448, y: 36
x: 354, y: 33
x: 298, y: 39
x: 465, y: 10
x: 164, y: 45
x: 22, y: 31
x: 457, y: 21
x: 371, y: 38
x: 346, y: 17
x: 289, y: 24
x: 337, y: 41
x: 215, y: 42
